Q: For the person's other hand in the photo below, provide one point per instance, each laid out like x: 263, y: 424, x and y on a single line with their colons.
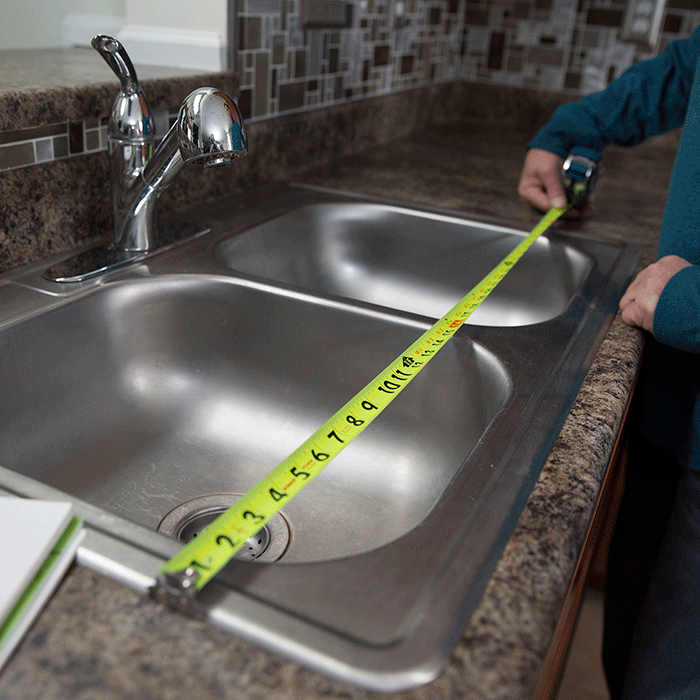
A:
x: 540, y: 182
x: 638, y: 303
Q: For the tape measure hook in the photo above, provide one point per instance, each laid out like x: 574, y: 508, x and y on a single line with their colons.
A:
x: 177, y: 590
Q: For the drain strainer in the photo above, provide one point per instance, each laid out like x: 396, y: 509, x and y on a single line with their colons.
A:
x: 189, y: 519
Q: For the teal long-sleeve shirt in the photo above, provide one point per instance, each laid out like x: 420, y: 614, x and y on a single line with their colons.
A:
x: 650, y: 98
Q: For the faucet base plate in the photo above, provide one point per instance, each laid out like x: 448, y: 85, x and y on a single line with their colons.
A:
x: 105, y: 258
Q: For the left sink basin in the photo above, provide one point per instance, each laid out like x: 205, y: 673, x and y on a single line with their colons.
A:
x: 149, y: 394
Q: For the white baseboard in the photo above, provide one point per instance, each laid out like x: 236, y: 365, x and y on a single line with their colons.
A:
x: 161, y: 46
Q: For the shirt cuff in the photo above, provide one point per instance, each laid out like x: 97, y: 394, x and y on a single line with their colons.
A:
x: 549, y: 142
x: 677, y: 315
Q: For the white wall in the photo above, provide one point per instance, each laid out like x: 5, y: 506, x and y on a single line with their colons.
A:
x: 157, y: 32
x: 187, y: 35
x: 204, y: 15
x: 36, y: 24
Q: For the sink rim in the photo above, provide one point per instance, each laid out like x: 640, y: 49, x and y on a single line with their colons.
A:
x: 424, y: 642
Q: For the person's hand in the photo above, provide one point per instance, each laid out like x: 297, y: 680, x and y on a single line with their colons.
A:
x: 540, y: 182
x: 638, y: 303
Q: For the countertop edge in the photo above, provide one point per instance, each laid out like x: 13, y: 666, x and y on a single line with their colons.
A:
x: 525, y: 595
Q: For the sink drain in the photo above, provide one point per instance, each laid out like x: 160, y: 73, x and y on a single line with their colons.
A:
x: 254, y: 546
x: 189, y: 519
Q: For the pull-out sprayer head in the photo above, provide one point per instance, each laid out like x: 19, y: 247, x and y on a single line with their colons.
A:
x: 210, y: 128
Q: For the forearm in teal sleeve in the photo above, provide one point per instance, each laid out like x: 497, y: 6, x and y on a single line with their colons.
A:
x: 677, y: 315
x: 649, y: 98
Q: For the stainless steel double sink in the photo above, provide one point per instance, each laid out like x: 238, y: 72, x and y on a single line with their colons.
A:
x: 155, y: 395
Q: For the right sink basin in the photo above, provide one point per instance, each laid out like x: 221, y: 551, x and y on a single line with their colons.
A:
x: 408, y: 260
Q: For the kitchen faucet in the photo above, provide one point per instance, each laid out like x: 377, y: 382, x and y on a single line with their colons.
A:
x: 209, y: 130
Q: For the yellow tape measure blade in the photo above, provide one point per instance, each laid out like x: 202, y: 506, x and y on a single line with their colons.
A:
x: 206, y: 555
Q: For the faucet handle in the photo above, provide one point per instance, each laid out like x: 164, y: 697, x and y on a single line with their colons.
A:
x: 131, y: 120
x: 118, y: 60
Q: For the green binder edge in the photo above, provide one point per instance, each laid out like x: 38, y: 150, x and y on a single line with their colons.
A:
x: 31, y: 590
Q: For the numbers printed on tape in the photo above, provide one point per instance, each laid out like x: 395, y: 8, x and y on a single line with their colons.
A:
x: 214, y: 547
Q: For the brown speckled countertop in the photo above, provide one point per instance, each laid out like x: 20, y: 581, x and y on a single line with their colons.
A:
x: 39, y: 87
x: 97, y: 640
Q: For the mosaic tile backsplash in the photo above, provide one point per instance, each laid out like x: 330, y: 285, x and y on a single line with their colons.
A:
x: 568, y: 46
x: 44, y: 144
x: 571, y: 46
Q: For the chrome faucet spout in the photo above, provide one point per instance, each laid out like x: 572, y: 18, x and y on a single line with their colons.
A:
x: 209, y: 131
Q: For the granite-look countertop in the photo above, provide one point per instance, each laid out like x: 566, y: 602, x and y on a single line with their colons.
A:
x: 44, y: 86
x: 97, y: 640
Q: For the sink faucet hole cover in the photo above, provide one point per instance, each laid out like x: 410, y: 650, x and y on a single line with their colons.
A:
x: 187, y: 520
